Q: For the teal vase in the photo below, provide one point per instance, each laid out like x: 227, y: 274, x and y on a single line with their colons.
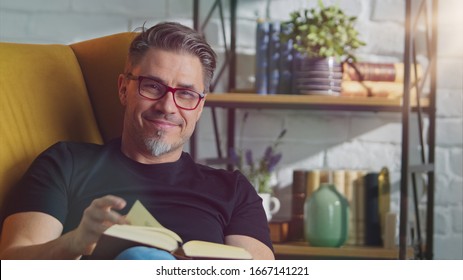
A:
x: 326, y: 217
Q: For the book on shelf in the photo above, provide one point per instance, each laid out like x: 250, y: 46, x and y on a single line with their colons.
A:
x: 285, y: 62
x: 145, y: 230
x: 298, y: 192
x: 350, y: 181
x: 359, y: 194
x: 368, y: 195
x: 262, y: 44
x: 273, y: 74
x: 375, y: 89
x: 371, y: 71
x: 372, y: 214
x: 274, y: 59
x: 279, y: 230
x: 384, y: 199
x: 389, y: 232
x: 350, y: 184
x: 339, y: 181
x: 314, y: 178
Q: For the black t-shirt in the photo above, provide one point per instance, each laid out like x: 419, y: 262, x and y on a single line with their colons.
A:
x: 195, y: 201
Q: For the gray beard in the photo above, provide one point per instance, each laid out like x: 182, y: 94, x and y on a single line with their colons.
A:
x: 157, y: 147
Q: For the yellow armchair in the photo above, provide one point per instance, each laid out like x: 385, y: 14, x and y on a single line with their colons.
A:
x: 51, y: 93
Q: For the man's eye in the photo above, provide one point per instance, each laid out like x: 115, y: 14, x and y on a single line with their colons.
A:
x: 152, y: 86
x: 185, y: 94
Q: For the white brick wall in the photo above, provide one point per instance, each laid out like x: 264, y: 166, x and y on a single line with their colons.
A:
x: 349, y: 140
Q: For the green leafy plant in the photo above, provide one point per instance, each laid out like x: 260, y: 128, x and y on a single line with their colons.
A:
x: 322, y: 32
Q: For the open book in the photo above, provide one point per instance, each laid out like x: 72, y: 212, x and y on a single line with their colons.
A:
x: 145, y: 230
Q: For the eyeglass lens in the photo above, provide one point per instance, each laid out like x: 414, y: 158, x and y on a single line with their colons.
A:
x: 184, y: 98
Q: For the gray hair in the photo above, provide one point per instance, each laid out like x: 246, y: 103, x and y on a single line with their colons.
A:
x: 172, y: 36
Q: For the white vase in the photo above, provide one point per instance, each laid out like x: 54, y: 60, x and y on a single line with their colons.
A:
x: 270, y: 203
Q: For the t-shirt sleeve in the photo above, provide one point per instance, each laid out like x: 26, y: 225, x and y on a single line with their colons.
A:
x: 248, y: 217
x: 43, y: 186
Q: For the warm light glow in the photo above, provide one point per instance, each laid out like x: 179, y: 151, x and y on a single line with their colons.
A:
x: 449, y: 24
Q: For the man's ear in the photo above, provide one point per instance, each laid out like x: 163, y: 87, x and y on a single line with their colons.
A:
x: 122, y: 88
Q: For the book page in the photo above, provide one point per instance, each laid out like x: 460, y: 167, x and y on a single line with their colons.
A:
x: 140, y: 216
x: 155, y: 237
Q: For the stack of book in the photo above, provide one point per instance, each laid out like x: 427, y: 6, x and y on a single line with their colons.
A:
x: 368, y: 194
x: 273, y: 59
x: 365, y: 79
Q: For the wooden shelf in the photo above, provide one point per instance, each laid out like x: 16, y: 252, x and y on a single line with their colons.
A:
x: 314, y: 102
x: 303, y: 250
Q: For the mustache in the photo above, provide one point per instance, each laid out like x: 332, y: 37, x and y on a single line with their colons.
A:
x: 163, y: 117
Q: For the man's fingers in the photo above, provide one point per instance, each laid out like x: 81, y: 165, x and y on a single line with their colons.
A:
x: 115, y: 218
x: 110, y: 201
x: 100, y: 211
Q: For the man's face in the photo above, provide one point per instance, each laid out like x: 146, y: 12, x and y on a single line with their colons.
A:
x: 159, y: 127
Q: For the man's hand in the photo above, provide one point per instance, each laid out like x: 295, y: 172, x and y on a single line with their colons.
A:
x: 36, y: 235
x: 96, y: 219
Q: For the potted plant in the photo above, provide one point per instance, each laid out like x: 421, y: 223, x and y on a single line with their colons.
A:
x: 261, y: 172
x: 322, y: 38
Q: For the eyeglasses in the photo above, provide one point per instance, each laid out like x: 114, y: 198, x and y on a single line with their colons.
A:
x: 151, y: 89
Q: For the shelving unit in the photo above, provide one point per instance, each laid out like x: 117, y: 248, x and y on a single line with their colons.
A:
x: 235, y: 101
x: 415, y: 10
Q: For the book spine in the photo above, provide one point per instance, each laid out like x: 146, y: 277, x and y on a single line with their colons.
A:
x: 278, y: 231
x: 360, y: 204
x: 367, y: 71
x: 262, y: 42
x: 273, y: 58
x: 384, y: 198
x: 372, y: 215
x: 339, y: 181
x: 350, y: 180
x: 389, y: 238
x: 387, y: 72
x: 285, y: 63
x: 374, y: 89
x: 296, y: 228
x: 313, y: 180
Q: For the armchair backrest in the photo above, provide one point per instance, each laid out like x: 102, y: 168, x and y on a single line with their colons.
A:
x: 51, y: 93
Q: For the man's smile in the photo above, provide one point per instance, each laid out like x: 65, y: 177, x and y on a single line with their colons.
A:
x: 162, y: 123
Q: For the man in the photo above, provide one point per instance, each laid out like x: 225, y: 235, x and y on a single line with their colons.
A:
x: 73, y: 192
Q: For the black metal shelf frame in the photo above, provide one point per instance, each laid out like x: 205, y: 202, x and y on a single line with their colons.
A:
x: 417, y: 11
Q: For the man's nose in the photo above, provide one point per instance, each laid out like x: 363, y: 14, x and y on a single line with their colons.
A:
x: 167, y: 103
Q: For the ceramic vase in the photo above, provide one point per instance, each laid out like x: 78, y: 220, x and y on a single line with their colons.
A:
x: 317, y: 76
x: 270, y: 203
x: 326, y: 217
